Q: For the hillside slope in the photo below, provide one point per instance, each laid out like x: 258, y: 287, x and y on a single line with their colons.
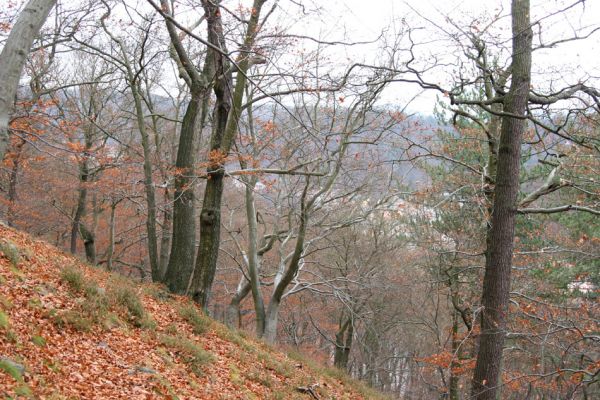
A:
x: 70, y: 331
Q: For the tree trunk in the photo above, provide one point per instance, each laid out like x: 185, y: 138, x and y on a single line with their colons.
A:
x: 271, y: 317
x: 496, y: 283
x: 165, y: 240
x: 181, y: 258
x: 228, y: 110
x: 111, y: 236
x: 454, y: 385
x: 253, y: 259
x: 89, y: 244
x: 13, y: 56
x: 233, y: 318
x: 84, y: 175
x: 210, y: 216
x: 152, y: 239
x: 13, y: 180
x: 343, y: 343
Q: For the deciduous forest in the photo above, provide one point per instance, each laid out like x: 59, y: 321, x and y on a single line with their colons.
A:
x: 417, y: 207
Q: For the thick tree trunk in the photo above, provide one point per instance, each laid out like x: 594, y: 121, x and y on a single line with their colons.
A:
x: 270, y: 334
x: 181, y: 258
x: 89, y: 244
x: 210, y: 216
x: 228, y: 110
x: 13, y: 56
x: 84, y: 175
x: 496, y: 284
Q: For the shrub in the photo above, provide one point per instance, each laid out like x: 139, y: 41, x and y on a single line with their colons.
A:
x: 74, y: 278
x: 4, y: 321
x: 200, y: 324
x: 126, y: 297
x: 38, y: 340
x: 10, y: 251
x: 192, y: 353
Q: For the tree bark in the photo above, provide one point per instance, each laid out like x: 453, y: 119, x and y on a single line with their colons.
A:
x: 343, y: 343
x: 80, y: 210
x: 13, y: 56
x: 111, y: 236
x: 233, y: 318
x: 227, y: 116
x: 496, y: 284
x: 270, y: 334
x: 13, y: 180
x: 253, y: 258
x: 152, y: 239
x: 89, y: 244
x: 181, y: 258
x: 165, y: 241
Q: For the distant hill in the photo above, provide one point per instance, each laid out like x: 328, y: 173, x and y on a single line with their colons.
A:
x: 71, y: 331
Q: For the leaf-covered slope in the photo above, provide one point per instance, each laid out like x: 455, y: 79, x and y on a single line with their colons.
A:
x: 70, y: 331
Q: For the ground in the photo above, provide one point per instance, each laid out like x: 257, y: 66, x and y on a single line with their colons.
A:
x: 72, y: 331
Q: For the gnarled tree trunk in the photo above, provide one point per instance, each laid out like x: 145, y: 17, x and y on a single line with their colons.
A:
x: 227, y: 116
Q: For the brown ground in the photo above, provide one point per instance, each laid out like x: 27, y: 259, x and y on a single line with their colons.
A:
x: 45, y: 327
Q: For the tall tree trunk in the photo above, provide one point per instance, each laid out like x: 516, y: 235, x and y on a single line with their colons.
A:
x: 253, y: 259
x: 181, y: 259
x: 496, y: 283
x: 111, y: 236
x: 228, y: 110
x: 454, y: 385
x: 13, y: 56
x: 152, y: 239
x: 84, y: 175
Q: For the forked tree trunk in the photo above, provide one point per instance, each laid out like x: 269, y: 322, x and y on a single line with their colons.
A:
x: 233, y: 315
x: 228, y: 110
x: 13, y: 56
x: 181, y: 258
x: 496, y: 283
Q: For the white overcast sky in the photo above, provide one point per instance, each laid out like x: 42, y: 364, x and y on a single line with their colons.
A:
x: 360, y: 20
x: 365, y: 19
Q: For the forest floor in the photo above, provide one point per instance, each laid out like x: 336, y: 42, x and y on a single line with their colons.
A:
x: 72, y: 331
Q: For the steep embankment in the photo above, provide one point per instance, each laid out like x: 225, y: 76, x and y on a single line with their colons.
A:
x: 70, y: 331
